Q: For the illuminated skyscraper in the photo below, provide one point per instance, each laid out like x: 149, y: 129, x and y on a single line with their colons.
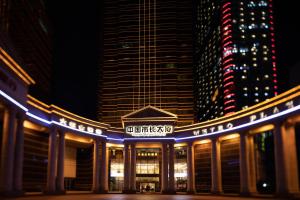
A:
x: 234, y: 59
x: 24, y: 28
x: 147, y: 58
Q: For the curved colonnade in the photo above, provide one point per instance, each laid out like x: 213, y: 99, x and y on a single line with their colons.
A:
x: 20, y: 112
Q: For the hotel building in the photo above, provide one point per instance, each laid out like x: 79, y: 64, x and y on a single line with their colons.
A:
x: 147, y: 59
x: 47, y: 149
x: 234, y: 57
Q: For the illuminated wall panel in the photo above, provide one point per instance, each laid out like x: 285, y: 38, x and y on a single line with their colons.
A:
x: 230, y: 163
x: 35, y: 161
x: 203, y: 167
x: 84, y: 169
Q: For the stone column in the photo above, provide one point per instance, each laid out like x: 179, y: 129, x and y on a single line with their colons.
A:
x: 133, y: 169
x: 247, y: 165
x: 126, y: 168
x: 96, y: 166
x: 216, y: 179
x: 286, y: 164
x: 50, y: 188
x: 60, y: 163
x: 171, y: 169
x: 7, y: 152
x: 19, y: 155
x: 190, y: 169
x: 104, y: 170
x: 165, y: 181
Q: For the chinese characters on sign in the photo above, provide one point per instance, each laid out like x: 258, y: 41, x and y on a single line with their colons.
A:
x: 80, y: 127
x: 149, y: 130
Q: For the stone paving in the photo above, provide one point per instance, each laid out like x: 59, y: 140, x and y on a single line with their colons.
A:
x: 134, y: 197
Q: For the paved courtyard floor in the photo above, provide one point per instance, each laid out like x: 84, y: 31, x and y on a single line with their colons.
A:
x: 134, y: 197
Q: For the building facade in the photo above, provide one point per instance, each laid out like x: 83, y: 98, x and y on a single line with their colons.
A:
x: 47, y: 149
x: 26, y: 34
x: 147, y: 59
x: 234, y: 61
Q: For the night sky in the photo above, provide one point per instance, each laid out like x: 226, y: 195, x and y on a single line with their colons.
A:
x: 77, y: 28
x: 77, y: 50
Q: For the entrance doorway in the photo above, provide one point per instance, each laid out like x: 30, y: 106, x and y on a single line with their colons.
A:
x: 147, y: 187
x: 148, y: 162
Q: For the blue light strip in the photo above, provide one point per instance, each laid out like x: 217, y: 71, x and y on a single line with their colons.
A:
x: 282, y: 113
x: 13, y: 101
x: 38, y: 118
x: 170, y: 138
x: 245, y: 125
x: 117, y: 139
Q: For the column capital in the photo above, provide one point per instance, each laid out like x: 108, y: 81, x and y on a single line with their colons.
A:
x: 215, y: 139
x: 190, y: 143
x: 286, y: 165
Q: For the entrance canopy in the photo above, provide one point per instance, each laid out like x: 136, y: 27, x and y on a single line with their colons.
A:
x: 149, y: 122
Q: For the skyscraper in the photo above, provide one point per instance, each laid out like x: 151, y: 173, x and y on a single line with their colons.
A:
x: 147, y: 58
x: 25, y: 33
x: 235, y: 63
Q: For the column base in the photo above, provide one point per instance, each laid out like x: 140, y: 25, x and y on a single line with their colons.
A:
x: 101, y: 191
x: 288, y: 195
x: 191, y: 192
x: 168, y: 192
x: 216, y: 192
x: 61, y: 192
x: 54, y: 192
x: 129, y: 191
x: 248, y: 194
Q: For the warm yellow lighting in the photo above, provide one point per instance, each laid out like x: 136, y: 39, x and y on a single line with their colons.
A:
x: 37, y: 101
x: 9, y: 61
x: 262, y: 129
x: 202, y: 141
x: 78, y: 138
x: 38, y: 107
x: 148, y: 145
x: 231, y: 136
x: 33, y: 126
x: 180, y: 144
x: 114, y: 145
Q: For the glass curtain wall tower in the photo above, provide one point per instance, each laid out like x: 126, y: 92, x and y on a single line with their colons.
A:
x: 235, y: 63
x: 147, y: 58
